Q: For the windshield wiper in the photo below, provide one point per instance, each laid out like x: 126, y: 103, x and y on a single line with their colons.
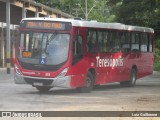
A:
x: 49, y: 40
x: 52, y: 36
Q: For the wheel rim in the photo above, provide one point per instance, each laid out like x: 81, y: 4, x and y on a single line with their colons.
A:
x: 133, y: 77
x: 88, y: 82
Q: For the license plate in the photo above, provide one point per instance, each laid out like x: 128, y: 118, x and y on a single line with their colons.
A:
x: 38, y: 84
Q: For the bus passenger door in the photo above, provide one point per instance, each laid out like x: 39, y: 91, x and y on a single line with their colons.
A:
x: 78, y: 62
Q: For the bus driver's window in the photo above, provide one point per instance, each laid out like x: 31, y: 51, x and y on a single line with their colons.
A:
x: 77, y: 49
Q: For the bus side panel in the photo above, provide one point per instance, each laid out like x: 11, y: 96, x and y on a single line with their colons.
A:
x: 96, y: 62
x: 116, y: 67
x: 78, y: 72
x: 126, y: 68
x: 110, y: 68
x: 146, y: 64
x: 130, y: 59
x: 92, y: 63
x: 135, y: 59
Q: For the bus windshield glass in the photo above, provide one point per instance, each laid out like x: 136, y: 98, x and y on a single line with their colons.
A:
x: 43, y: 48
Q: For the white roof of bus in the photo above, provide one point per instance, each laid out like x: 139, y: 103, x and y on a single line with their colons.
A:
x: 95, y: 24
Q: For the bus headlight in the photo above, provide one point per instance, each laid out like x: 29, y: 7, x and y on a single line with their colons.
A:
x: 17, y: 70
x: 63, y: 73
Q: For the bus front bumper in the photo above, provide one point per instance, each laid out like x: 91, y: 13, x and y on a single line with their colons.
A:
x: 39, y: 81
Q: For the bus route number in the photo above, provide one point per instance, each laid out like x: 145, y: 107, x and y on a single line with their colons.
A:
x: 26, y: 54
x: 45, y: 25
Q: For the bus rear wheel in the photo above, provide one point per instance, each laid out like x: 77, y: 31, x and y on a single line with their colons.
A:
x: 132, y: 80
x: 43, y: 88
x: 88, y: 85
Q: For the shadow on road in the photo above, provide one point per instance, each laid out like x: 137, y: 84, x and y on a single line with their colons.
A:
x: 109, y: 87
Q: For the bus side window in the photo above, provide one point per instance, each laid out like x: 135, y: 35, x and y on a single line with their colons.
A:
x: 115, y: 42
x: 102, y: 41
x: 144, y: 42
x: 77, y: 50
x: 150, y: 48
x: 91, y: 41
x: 125, y: 42
x: 135, y: 43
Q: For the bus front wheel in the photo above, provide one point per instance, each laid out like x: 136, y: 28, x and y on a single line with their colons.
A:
x: 88, y: 84
x: 132, y: 80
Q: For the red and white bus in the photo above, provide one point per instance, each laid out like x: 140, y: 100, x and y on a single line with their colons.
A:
x: 57, y: 52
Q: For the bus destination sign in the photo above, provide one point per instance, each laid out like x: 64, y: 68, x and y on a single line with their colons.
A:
x: 52, y: 25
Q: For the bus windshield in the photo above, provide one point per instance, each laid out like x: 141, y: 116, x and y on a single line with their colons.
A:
x: 43, y: 48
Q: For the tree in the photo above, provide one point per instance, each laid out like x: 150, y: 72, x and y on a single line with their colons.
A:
x: 136, y: 12
x: 96, y: 9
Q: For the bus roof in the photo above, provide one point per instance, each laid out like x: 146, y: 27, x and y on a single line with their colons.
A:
x: 95, y: 24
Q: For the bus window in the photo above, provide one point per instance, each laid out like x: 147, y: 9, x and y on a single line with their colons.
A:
x: 135, y: 42
x: 144, y: 42
x: 36, y: 44
x: 125, y: 42
x: 77, y: 49
x: 106, y: 41
x: 115, y: 42
x: 150, y: 43
x: 100, y: 41
x: 91, y: 41
x: 103, y: 41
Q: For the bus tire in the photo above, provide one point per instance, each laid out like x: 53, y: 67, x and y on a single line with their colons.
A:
x: 132, y: 80
x: 96, y: 86
x: 43, y: 88
x: 89, y: 84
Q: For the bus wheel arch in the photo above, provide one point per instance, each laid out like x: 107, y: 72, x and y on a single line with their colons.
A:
x: 133, y: 78
x: 134, y: 67
x: 89, y: 82
x: 93, y: 72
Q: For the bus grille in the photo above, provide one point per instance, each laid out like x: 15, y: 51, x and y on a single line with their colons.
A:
x: 33, y: 80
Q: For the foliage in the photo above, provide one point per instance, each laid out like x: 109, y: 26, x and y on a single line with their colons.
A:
x: 133, y: 12
x: 157, y: 60
x: 136, y: 12
x: 96, y: 9
x: 157, y: 43
x: 157, y: 53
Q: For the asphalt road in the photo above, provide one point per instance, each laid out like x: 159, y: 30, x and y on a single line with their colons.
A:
x: 145, y: 96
